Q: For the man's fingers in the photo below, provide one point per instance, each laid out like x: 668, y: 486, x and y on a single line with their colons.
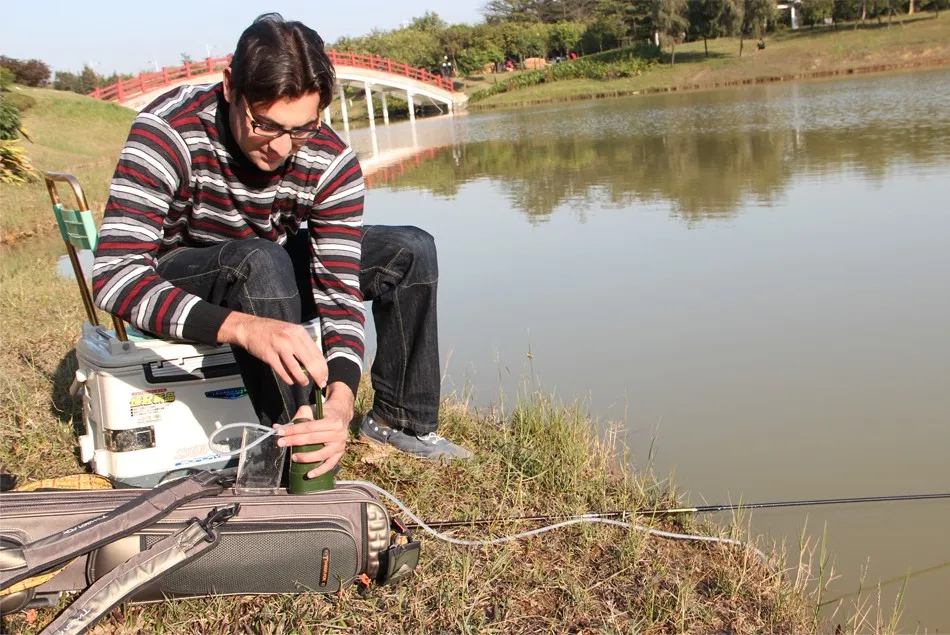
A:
x: 325, y: 467
x: 274, y: 362
x: 322, y: 454
x: 304, y: 412
x: 308, y: 353
x: 326, y: 434
x: 289, y: 361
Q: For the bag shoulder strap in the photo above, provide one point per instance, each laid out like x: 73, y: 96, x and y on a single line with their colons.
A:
x: 19, y: 563
x: 165, y: 556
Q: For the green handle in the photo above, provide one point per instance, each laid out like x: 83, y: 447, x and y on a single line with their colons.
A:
x: 299, y: 483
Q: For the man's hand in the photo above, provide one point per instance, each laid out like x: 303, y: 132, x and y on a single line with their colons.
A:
x: 332, y: 431
x: 282, y: 345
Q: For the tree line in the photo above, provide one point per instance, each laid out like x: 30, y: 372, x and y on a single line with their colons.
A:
x: 38, y: 74
x: 519, y: 29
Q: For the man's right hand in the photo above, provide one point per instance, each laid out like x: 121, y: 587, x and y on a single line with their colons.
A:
x: 284, y: 346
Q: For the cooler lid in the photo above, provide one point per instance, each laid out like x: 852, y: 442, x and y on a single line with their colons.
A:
x: 99, y: 347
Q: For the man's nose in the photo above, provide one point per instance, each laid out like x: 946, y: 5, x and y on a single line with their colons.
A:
x: 281, y: 144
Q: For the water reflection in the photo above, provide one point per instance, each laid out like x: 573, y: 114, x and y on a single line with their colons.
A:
x: 707, y: 154
x: 701, y: 175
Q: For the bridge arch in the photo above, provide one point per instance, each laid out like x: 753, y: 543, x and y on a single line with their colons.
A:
x: 377, y: 76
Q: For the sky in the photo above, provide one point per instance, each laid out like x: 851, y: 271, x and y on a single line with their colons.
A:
x: 134, y: 36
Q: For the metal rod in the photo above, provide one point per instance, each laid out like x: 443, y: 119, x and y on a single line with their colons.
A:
x: 688, y: 510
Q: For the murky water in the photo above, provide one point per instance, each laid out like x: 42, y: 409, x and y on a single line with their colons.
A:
x: 758, y: 279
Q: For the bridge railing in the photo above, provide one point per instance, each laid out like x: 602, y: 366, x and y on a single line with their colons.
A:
x: 376, y: 63
x: 147, y: 82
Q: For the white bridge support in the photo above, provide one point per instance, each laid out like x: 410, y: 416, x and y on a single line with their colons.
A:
x: 385, y: 84
x: 346, y: 119
x: 370, y: 110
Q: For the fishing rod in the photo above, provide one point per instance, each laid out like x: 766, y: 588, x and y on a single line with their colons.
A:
x: 700, y: 509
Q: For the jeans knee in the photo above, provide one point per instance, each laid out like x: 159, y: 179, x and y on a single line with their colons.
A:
x: 266, y: 268
x: 421, y: 245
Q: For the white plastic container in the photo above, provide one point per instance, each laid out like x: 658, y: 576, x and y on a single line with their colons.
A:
x: 149, y: 405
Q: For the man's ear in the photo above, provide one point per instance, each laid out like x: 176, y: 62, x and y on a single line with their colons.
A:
x: 226, y: 80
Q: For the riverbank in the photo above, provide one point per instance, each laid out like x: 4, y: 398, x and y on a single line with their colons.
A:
x: 537, y: 457
x: 920, y: 41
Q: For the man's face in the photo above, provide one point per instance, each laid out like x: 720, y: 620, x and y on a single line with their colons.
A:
x: 254, y: 127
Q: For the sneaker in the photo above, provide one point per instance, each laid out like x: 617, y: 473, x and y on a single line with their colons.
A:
x: 429, y: 446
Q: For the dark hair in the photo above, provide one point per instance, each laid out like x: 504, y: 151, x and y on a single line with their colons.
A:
x: 276, y: 59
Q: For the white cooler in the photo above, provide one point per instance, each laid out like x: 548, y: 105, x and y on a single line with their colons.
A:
x: 149, y: 405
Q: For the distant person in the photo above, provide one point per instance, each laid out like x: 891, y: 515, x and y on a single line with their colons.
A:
x: 235, y: 215
x: 761, y: 44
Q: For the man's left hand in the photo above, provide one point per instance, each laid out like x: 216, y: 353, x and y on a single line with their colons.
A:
x: 332, y: 430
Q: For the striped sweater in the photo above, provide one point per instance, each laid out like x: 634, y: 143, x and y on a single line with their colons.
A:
x: 182, y: 181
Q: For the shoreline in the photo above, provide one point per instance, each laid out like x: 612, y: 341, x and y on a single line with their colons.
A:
x: 754, y: 81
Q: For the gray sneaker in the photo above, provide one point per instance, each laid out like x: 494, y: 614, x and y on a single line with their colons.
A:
x: 430, y: 446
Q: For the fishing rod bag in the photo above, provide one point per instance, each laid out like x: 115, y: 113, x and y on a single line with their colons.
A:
x: 64, y: 541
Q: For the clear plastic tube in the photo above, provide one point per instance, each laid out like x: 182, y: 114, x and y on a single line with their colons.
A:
x: 586, y: 518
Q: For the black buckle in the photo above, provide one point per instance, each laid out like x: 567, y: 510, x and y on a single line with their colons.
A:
x: 215, y: 518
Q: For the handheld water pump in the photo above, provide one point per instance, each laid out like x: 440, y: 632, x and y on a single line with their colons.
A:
x: 298, y: 482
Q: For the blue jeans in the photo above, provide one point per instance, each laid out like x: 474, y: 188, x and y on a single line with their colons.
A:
x: 399, y: 273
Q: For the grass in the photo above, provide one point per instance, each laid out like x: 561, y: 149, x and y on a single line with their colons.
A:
x: 71, y: 133
x: 536, y: 457
x: 921, y: 39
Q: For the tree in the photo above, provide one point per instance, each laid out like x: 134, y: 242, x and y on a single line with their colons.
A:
x: 453, y: 41
x: 497, y: 11
x: 530, y: 41
x: 631, y: 16
x: 67, y: 81
x: 817, y: 11
x: 186, y: 59
x: 713, y: 18
x: 88, y: 80
x: 602, y: 33
x: 546, y: 11
x: 27, y: 72
x: 565, y: 36
x: 755, y: 17
x: 670, y: 21
x: 430, y: 21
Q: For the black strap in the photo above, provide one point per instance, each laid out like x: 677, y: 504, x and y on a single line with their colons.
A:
x: 20, y: 563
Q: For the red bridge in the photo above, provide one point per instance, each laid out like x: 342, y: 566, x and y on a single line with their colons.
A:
x: 369, y: 72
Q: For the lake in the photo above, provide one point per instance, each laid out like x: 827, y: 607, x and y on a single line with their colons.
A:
x: 755, y: 283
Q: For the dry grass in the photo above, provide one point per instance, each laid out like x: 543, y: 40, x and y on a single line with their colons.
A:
x: 921, y: 39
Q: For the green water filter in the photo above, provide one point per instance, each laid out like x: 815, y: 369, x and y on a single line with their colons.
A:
x: 298, y: 482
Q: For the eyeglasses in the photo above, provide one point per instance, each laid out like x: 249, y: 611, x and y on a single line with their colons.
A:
x: 272, y: 131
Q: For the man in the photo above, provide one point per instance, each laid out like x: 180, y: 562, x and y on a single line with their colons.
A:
x: 203, y: 239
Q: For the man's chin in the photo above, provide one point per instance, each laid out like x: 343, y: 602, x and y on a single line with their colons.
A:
x: 268, y: 165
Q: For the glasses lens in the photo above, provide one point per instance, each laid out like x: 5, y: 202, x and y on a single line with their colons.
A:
x: 305, y: 133
x: 266, y: 130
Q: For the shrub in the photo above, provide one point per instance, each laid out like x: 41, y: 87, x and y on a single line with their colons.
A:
x: 627, y: 62
x: 20, y: 101
x: 6, y: 77
x: 15, y: 166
